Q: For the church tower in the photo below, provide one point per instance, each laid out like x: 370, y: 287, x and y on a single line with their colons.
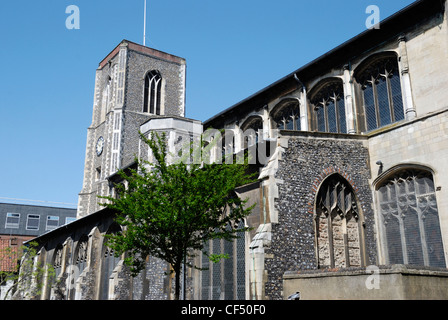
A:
x: 133, y: 85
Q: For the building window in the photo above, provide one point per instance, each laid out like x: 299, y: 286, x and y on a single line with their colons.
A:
x: 57, y: 261
x: 382, y: 100
x: 32, y: 222
x: 252, y: 129
x: 52, y: 222
x: 108, y: 264
x: 69, y: 220
x: 79, y: 262
x: 338, y: 226
x: 409, y: 219
x: 225, y: 280
x: 286, y: 115
x: 12, y: 220
x: 329, y: 107
x: 153, y: 93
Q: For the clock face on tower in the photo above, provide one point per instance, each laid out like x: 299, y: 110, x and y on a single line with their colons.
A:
x: 99, y: 146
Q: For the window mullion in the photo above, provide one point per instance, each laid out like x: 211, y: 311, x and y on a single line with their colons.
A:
x: 401, y: 223
x: 327, y: 125
x: 390, y: 98
x: 376, y: 102
x: 421, y: 225
x: 336, y: 112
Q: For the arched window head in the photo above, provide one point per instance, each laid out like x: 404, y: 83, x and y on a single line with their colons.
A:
x: 286, y: 115
x: 409, y: 219
x: 81, y: 253
x: 380, y: 83
x: 328, y: 103
x: 58, y: 260
x: 153, y: 93
x: 108, y: 264
x: 338, y: 225
x: 252, y: 130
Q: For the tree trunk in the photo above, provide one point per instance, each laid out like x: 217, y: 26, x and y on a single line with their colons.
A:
x: 176, y: 268
x: 177, y: 292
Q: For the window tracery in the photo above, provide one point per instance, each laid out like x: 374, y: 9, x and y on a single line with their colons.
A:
x: 252, y: 129
x: 338, y: 231
x: 381, y: 92
x: 287, y: 116
x: 153, y: 93
x: 58, y: 259
x: 329, y: 107
x: 225, y: 280
x: 109, y: 262
x: 409, y: 219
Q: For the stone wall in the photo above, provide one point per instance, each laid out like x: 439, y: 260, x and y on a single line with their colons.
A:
x: 395, y: 282
x: 86, y: 284
x: 307, y: 161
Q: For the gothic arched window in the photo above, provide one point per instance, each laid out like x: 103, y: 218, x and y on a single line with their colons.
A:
x: 380, y: 83
x: 225, y: 280
x: 329, y: 107
x: 252, y: 129
x: 109, y: 262
x: 58, y: 260
x: 153, y: 93
x: 338, y: 225
x: 286, y: 115
x: 409, y: 219
x: 81, y: 254
x: 79, y: 263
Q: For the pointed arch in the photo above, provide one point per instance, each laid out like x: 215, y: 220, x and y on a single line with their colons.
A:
x: 409, y: 224
x: 108, y: 263
x: 328, y: 102
x: 252, y: 128
x: 379, y: 84
x: 152, y: 99
x: 286, y: 114
x: 338, y: 225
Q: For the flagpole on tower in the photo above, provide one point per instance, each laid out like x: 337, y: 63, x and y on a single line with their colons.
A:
x: 144, y: 26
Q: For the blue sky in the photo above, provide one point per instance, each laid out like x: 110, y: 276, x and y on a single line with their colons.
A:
x: 233, y: 49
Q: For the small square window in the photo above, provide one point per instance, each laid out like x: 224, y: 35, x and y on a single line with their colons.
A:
x: 32, y: 222
x: 52, y: 222
x: 69, y: 220
x: 12, y: 220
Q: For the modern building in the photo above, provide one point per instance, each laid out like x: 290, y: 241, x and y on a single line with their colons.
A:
x: 20, y: 223
x: 351, y: 198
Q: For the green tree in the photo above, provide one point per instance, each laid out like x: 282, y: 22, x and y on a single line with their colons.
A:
x: 170, y: 211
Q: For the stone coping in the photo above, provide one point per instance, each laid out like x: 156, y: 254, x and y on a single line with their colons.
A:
x: 383, y: 269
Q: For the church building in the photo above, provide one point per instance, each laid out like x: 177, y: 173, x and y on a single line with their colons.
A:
x: 352, y: 192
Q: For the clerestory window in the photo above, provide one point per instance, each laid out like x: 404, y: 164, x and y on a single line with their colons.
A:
x: 382, y: 100
x: 286, y: 115
x: 338, y: 225
x: 153, y: 93
x: 409, y: 219
x: 252, y: 131
x: 329, y: 107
